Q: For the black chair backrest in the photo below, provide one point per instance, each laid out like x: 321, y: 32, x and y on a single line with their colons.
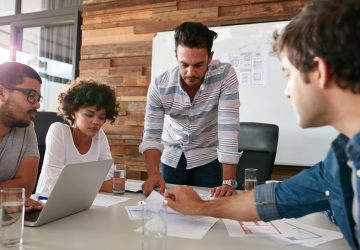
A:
x: 42, y: 122
x: 259, y: 143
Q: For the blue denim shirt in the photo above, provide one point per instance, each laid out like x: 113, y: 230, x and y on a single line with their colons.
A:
x: 325, y: 186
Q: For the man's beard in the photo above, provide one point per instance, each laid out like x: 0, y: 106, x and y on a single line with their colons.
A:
x: 8, y: 119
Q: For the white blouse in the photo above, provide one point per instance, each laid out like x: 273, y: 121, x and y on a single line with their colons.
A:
x: 61, y: 150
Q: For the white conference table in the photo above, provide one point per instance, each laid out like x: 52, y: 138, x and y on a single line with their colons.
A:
x: 108, y: 228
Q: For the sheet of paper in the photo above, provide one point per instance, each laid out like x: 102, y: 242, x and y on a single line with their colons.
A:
x: 135, y: 212
x: 178, y: 225
x: 185, y: 226
x: 290, y: 231
x: 133, y: 186
x: 104, y: 200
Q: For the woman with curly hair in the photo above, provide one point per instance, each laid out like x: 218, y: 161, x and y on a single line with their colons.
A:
x: 85, y: 106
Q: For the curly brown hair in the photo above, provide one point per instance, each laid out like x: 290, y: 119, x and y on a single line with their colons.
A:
x: 85, y: 93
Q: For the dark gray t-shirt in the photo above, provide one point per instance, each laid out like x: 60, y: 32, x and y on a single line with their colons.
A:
x: 16, y: 144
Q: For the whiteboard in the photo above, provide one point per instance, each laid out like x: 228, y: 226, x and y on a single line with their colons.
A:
x: 261, y: 87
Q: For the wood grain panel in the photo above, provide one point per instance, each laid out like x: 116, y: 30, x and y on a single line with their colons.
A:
x: 116, y: 50
x: 126, y: 70
x: 130, y: 81
x: 263, y: 10
x: 197, y: 4
x: 131, y: 91
x: 114, y: 35
x: 183, y: 15
x: 109, y: 5
x: 131, y: 61
x: 124, y: 16
x: 95, y: 64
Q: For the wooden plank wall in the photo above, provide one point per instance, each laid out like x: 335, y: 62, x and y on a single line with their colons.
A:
x: 117, y: 46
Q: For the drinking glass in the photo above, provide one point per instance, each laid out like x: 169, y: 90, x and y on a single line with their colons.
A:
x: 119, y: 179
x: 13, y: 207
x: 250, y: 178
x: 154, y: 226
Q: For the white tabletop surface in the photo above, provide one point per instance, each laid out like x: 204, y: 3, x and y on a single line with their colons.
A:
x: 108, y: 228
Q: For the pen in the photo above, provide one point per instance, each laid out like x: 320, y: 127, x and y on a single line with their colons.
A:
x: 40, y: 197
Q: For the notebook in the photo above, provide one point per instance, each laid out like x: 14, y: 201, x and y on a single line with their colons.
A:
x: 74, y: 191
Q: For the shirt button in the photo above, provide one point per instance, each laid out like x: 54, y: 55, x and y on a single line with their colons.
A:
x: 358, y: 173
x: 327, y: 193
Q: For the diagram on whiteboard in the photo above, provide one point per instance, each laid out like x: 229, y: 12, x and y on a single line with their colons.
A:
x: 249, y: 66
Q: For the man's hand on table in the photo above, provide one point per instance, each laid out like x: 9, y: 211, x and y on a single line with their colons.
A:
x: 154, y: 181
x: 222, y: 191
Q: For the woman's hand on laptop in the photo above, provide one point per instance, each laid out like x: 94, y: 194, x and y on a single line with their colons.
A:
x: 31, y: 204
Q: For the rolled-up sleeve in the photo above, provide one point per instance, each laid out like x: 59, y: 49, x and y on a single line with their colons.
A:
x: 154, y: 121
x: 228, y: 119
x: 265, y: 202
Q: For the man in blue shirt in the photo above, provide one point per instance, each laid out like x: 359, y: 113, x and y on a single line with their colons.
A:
x: 320, y: 53
x: 192, y: 118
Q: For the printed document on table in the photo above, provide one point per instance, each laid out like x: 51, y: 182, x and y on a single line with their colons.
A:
x: 186, y: 226
x: 135, y: 212
x: 133, y: 185
x: 290, y: 231
x: 106, y: 200
x: 178, y: 225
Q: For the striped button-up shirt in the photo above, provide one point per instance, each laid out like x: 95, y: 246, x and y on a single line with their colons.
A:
x: 204, y: 130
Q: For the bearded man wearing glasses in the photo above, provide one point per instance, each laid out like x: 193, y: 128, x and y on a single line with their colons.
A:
x: 19, y: 101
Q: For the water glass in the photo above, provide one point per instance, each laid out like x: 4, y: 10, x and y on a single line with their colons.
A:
x: 13, y: 207
x: 250, y: 178
x: 154, y: 226
x: 119, y: 179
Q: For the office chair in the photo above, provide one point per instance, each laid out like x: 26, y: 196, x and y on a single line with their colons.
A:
x: 42, y: 122
x: 259, y: 143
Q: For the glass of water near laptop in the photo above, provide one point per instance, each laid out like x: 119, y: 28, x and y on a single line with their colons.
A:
x: 250, y: 178
x: 12, y: 216
x: 119, y: 179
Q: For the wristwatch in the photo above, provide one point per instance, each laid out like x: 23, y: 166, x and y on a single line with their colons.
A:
x: 231, y: 183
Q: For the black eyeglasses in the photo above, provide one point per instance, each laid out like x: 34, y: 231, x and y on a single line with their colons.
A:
x: 31, y: 95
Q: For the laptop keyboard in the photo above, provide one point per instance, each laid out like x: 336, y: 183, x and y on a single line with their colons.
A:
x: 32, y: 215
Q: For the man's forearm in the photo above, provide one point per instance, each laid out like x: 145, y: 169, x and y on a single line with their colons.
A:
x: 18, y: 183
x: 152, y: 161
x: 240, y: 207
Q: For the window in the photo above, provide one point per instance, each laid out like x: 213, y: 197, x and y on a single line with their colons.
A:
x: 47, y: 40
x: 4, y: 43
x: 40, y: 5
x: 7, y: 7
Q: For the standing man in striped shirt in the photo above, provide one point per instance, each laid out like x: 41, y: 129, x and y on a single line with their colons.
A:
x: 192, y: 118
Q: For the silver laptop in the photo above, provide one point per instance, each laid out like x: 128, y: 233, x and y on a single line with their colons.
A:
x: 74, y: 191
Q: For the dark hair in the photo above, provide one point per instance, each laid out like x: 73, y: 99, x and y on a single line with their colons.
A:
x: 87, y: 93
x: 13, y: 73
x: 329, y: 29
x: 194, y: 35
